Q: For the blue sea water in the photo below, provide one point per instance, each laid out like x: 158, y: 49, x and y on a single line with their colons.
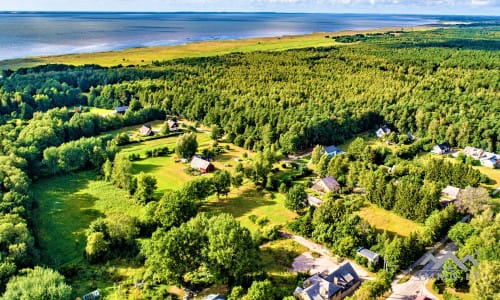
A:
x: 40, y: 34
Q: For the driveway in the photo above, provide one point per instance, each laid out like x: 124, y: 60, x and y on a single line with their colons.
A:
x: 322, y: 260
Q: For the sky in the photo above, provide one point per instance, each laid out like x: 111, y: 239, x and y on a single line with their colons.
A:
x: 448, y: 7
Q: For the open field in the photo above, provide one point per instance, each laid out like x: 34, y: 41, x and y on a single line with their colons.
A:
x: 386, y: 220
x: 66, y: 207
x: 142, y: 56
x: 247, y: 200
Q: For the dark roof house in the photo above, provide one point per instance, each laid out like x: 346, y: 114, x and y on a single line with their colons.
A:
x: 325, y: 185
x: 172, y: 126
x: 201, y: 165
x: 329, y: 286
x: 333, y: 150
x: 146, y: 130
x: 441, y: 148
x: 383, y: 131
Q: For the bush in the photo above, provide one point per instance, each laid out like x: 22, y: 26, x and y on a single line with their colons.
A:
x: 271, y: 232
x: 262, y: 221
x: 252, y: 218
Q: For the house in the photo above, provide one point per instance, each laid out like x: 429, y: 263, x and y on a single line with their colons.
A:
x: 78, y: 108
x: 371, y: 256
x: 441, y: 148
x: 422, y: 298
x: 173, y: 126
x: 325, y: 185
x: 449, y: 195
x: 333, y: 150
x: 214, y: 297
x: 383, y: 131
x: 329, y: 286
x: 121, y: 109
x: 201, y: 165
x: 487, y: 159
x: 146, y: 130
x: 313, y: 201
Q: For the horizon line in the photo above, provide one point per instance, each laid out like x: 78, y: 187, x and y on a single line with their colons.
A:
x: 244, y: 12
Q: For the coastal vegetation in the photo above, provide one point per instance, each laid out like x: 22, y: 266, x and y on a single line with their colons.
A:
x: 87, y: 194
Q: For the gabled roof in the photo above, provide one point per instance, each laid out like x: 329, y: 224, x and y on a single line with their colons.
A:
x: 345, y: 274
x: 172, y: 123
x: 321, y: 290
x: 145, y: 129
x: 121, y: 109
x: 333, y: 150
x: 198, y: 163
x: 313, y: 201
x: 451, y: 191
x: 370, y: 255
x: 330, y: 182
x: 444, y: 146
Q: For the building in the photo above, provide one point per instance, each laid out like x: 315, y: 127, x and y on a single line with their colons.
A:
x: 146, y: 130
x: 173, y: 126
x: 487, y: 159
x: 204, y: 166
x: 383, y: 131
x: 214, y: 297
x: 121, y: 109
x: 371, y: 256
x: 325, y: 185
x: 441, y: 148
x: 313, y: 201
x: 333, y: 150
x: 329, y: 286
x: 449, y: 195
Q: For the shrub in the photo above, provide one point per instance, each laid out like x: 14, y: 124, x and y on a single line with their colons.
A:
x: 262, y: 221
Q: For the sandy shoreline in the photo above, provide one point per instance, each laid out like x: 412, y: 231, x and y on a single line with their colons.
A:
x: 145, y: 55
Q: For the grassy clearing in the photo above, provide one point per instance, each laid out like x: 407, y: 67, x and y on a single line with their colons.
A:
x: 100, y: 111
x: 247, y: 201
x: 277, y: 256
x: 66, y: 207
x: 142, y: 56
x: 386, y: 220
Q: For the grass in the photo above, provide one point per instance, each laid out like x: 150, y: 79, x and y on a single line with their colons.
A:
x: 461, y: 295
x: 142, y: 56
x: 100, y: 111
x: 66, y: 207
x: 386, y: 220
x: 247, y: 200
x: 277, y: 256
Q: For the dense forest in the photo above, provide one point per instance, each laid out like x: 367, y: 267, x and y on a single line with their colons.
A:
x: 439, y: 85
x: 443, y: 84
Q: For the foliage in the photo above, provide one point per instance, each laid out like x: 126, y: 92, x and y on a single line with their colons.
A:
x: 146, y: 186
x: 484, y: 280
x: 474, y: 200
x: 260, y: 290
x: 219, y: 246
x: 186, y: 145
x: 296, y: 198
x: 38, y: 284
x: 221, y: 182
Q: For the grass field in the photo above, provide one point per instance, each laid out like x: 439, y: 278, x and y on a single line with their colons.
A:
x: 386, y: 220
x: 141, y: 56
x: 66, y: 207
x: 247, y: 200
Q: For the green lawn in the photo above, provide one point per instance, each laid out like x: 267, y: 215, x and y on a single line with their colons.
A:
x: 247, y: 201
x: 386, y: 220
x: 66, y: 207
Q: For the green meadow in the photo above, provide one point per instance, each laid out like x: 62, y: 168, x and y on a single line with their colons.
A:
x: 66, y: 205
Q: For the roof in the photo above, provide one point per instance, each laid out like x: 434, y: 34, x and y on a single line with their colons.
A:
x: 421, y: 298
x: 214, y: 297
x: 313, y: 201
x: 451, y: 191
x: 120, y: 109
x: 172, y: 123
x: 198, y: 163
x: 333, y: 150
x: 444, y: 146
x: 145, y: 129
x: 368, y: 254
x: 383, y: 131
x: 321, y: 290
x: 330, y: 182
x: 345, y: 274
